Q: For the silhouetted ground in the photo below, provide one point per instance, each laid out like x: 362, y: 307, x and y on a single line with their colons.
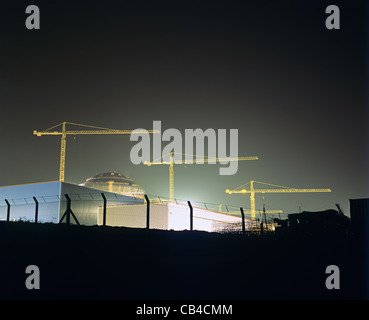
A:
x: 80, y: 262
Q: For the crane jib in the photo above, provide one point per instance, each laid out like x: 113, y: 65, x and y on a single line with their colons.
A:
x: 64, y: 133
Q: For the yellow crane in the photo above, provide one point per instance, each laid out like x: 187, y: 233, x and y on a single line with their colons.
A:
x: 171, y: 164
x: 247, y: 211
x: 64, y: 132
x: 281, y: 189
x: 266, y: 211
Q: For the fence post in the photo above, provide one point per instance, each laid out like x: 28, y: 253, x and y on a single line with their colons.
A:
x: 8, y: 211
x: 265, y: 218
x: 68, y: 212
x: 147, y: 212
x: 36, y: 209
x: 68, y: 209
x: 243, y: 221
x: 191, y: 215
x: 104, y: 212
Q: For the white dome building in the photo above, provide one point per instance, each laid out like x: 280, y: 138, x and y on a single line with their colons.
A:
x: 115, y: 182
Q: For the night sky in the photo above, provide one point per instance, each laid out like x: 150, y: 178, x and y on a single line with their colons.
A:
x: 296, y: 91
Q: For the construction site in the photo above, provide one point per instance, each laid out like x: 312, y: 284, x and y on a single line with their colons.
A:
x: 109, y: 222
x: 113, y: 199
x: 184, y: 150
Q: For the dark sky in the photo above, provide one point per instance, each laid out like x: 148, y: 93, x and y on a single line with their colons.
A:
x: 295, y: 90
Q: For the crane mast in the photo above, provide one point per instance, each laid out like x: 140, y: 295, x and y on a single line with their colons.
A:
x: 62, y: 152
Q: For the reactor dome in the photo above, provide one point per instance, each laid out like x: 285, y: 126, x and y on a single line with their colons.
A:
x: 115, y: 182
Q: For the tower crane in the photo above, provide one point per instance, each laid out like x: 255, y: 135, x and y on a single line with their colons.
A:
x: 247, y: 211
x: 64, y: 132
x: 171, y: 163
x: 281, y: 189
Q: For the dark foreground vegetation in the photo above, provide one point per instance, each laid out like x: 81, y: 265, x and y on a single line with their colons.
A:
x: 80, y: 262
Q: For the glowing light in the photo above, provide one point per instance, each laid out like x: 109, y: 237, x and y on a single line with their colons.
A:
x: 166, y: 215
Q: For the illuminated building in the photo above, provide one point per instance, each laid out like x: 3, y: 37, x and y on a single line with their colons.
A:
x: 167, y: 215
x: 52, y: 202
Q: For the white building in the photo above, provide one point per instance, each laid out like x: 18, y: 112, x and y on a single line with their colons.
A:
x: 166, y: 216
x: 85, y: 201
x: 122, y: 210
